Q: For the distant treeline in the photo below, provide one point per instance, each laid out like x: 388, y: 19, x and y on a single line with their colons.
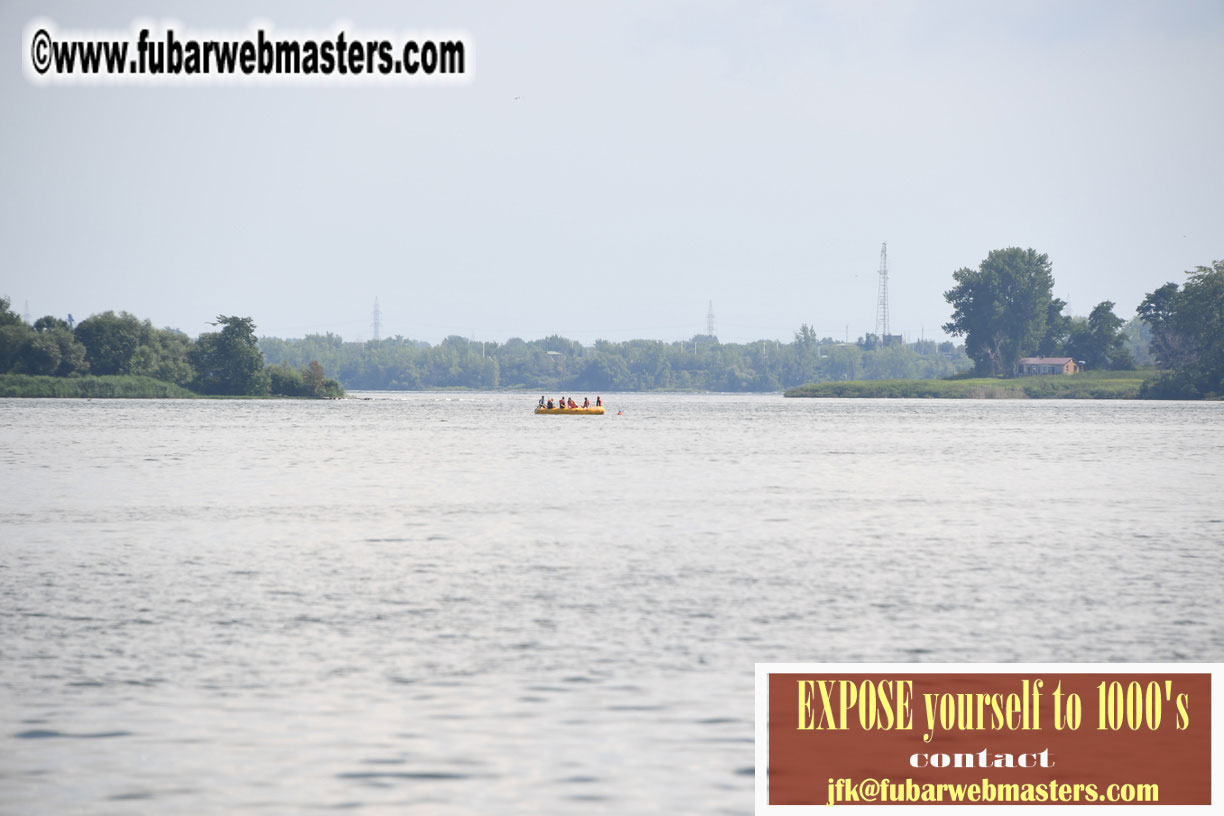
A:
x: 1005, y: 309
x: 132, y: 357
x: 561, y: 364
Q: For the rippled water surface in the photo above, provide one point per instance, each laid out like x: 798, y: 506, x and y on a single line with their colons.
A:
x: 446, y: 602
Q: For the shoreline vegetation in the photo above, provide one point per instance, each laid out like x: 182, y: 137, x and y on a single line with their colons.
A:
x: 1173, y: 348
x: 112, y: 386
x: 119, y: 356
x: 1007, y: 313
x: 1087, y: 385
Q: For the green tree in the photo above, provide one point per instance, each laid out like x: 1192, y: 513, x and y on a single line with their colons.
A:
x: 844, y: 362
x: 284, y: 380
x: 313, y: 379
x: 229, y: 361
x: 70, y: 352
x: 1173, y: 342
x: 1001, y: 308
x: 50, y: 322
x: 40, y: 354
x: 7, y: 316
x: 14, y: 334
x: 891, y: 363
x: 111, y: 340
x: 1190, y: 326
x: 1057, y: 330
x: 1138, y: 339
x: 604, y: 372
x: 1099, y: 342
x: 164, y: 356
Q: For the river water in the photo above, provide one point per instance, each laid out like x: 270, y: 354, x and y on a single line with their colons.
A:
x: 444, y: 603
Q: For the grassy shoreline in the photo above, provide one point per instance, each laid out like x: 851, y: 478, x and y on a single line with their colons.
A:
x: 1088, y: 385
x: 115, y: 386
x: 105, y: 387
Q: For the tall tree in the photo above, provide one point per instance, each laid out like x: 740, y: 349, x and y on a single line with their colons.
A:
x: 1001, y: 307
x: 14, y: 334
x: 1058, y: 329
x: 111, y: 340
x: 163, y: 356
x: 40, y: 354
x: 1201, y: 310
x: 70, y: 352
x: 229, y: 361
x: 1172, y: 343
x: 1187, y: 327
x: 806, y: 336
x: 1100, y: 343
x: 313, y: 379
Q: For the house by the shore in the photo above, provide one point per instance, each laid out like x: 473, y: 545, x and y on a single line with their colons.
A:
x: 1028, y: 366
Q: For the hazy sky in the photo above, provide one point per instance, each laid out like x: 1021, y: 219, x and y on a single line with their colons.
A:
x: 661, y: 155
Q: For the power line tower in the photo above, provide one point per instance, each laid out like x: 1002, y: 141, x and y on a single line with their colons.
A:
x: 27, y: 313
x: 710, y: 320
x: 377, y: 321
x: 881, y: 323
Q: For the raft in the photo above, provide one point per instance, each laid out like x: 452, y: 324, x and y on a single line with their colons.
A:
x: 594, y: 409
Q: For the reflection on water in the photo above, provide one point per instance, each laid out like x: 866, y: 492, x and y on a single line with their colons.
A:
x: 446, y: 601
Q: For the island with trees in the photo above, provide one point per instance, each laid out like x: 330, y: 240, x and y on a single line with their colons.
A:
x: 119, y: 355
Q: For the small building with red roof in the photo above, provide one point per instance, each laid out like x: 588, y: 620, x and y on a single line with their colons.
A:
x: 1028, y: 366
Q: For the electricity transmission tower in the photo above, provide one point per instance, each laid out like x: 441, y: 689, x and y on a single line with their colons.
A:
x: 710, y: 320
x: 881, y: 323
x: 377, y: 321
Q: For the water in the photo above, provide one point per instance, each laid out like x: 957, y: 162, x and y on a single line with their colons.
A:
x: 444, y: 601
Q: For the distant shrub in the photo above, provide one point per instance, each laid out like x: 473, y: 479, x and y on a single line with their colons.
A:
x: 285, y: 380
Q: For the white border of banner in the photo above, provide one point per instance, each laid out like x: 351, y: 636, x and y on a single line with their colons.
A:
x: 763, y: 670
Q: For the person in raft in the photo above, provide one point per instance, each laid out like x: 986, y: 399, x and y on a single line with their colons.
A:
x: 586, y: 402
x: 550, y: 405
x: 572, y: 404
x: 541, y: 400
x: 598, y: 402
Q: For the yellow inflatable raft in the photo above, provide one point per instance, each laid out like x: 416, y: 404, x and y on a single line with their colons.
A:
x: 594, y: 409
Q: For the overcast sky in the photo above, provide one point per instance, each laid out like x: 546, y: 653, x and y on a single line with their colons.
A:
x: 659, y: 155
